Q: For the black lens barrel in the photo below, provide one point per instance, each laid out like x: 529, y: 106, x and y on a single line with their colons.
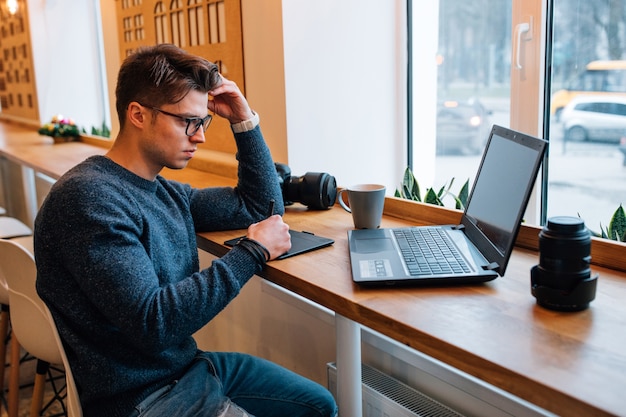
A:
x: 563, y: 279
x: 316, y: 190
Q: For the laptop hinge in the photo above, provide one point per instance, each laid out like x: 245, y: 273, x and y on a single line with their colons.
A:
x: 493, y: 266
x: 458, y: 227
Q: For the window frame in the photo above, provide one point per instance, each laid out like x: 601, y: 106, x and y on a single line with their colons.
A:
x: 529, y: 91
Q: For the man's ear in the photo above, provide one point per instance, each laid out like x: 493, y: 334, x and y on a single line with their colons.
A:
x: 135, y: 114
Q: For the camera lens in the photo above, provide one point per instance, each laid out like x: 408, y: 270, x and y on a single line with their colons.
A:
x: 564, y: 249
x: 562, y: 280
x: 316, y: 190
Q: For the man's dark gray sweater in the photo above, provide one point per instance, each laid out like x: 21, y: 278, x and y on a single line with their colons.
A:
x: 118, y: 267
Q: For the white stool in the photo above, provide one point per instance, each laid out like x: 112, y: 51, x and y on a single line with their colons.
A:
x: 12, y: 392
x: 33, y: 324
x: 11, y: 227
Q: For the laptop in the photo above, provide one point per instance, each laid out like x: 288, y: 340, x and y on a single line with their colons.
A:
x: 476, y: 250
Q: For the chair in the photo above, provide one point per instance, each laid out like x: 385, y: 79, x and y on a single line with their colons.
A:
x: 33, y: 324
x: 11, y: 227
x: 14, y: 362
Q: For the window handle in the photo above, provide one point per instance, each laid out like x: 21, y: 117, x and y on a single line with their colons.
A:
x: 520, y: 29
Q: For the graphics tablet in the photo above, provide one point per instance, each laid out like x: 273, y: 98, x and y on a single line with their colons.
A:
x: 301, y: 242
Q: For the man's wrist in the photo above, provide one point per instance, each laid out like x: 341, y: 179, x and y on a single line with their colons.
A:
x: 246, y: 125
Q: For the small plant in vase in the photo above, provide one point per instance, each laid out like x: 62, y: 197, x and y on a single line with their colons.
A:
x: 616, y: 230
x: 62, y: 129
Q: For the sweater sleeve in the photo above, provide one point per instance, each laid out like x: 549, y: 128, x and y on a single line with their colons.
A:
x: 248, y: 202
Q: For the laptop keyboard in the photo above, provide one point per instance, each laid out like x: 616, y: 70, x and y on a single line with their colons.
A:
x: 429, y: 251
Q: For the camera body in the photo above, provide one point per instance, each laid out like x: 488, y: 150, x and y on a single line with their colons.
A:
x: 316, y: 190
x: 563, y: 279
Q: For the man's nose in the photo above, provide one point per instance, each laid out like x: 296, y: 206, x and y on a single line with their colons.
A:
x: 198, y: 137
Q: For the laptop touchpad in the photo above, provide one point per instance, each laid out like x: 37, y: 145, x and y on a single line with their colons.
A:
x: 373, y: 245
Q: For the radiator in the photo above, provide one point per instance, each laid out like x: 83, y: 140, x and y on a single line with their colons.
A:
x: 384, y: 396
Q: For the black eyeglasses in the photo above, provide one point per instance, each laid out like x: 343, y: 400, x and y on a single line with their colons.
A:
x: 193, y: 123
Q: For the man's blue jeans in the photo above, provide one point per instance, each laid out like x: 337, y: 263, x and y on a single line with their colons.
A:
x: 225, y: 384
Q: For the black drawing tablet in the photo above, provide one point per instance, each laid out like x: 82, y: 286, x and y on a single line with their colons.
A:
x: 301, y: 242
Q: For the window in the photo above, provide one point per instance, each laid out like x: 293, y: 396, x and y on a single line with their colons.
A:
x: 473, y: 88
x: 478, y: 44
x: 587, y: 175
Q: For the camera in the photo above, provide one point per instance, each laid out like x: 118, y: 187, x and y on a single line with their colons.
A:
x: 563, y: 280
x: 316, y: 190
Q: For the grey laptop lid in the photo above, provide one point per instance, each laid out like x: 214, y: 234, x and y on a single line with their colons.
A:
x: 489, y: 225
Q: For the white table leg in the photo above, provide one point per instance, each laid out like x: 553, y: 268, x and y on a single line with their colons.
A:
x: 349, y: 394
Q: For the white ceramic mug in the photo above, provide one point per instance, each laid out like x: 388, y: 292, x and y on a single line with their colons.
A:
x: 366, y: 203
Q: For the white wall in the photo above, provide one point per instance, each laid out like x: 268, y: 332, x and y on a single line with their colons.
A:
x: 330, y: 77
x: 345, y: 72
x: 264, y: 70
x: 67, y: 60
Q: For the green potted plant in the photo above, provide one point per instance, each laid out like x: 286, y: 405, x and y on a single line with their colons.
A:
x: 410, y: 190
x: 616, y: 230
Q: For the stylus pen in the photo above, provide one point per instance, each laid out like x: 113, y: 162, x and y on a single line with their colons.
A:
x: 271, y: 210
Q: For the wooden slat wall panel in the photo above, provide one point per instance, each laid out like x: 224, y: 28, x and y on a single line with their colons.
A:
x: 208, y: 28
x: 18, y: 92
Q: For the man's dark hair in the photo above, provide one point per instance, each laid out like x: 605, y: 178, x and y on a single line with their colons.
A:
x: 160, y: 74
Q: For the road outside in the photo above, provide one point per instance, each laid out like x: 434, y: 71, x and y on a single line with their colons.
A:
x: 585, y: 179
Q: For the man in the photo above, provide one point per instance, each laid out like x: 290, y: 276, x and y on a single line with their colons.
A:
x: 117, y: 262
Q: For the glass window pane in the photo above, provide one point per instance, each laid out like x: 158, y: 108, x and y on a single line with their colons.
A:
x: 587, y: 170
x: 473, y: 84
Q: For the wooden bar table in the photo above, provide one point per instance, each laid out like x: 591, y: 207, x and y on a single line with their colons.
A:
x: 572, y: 364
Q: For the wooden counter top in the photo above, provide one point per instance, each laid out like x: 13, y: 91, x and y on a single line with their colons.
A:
x: 573, y: 364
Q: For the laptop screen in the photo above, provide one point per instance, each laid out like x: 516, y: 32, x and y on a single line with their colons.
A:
x: 496, y: 199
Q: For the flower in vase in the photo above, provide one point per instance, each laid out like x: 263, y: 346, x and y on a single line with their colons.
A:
x: 60, y: 126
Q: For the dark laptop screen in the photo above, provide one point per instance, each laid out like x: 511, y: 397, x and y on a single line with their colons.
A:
x: 497, y: 197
